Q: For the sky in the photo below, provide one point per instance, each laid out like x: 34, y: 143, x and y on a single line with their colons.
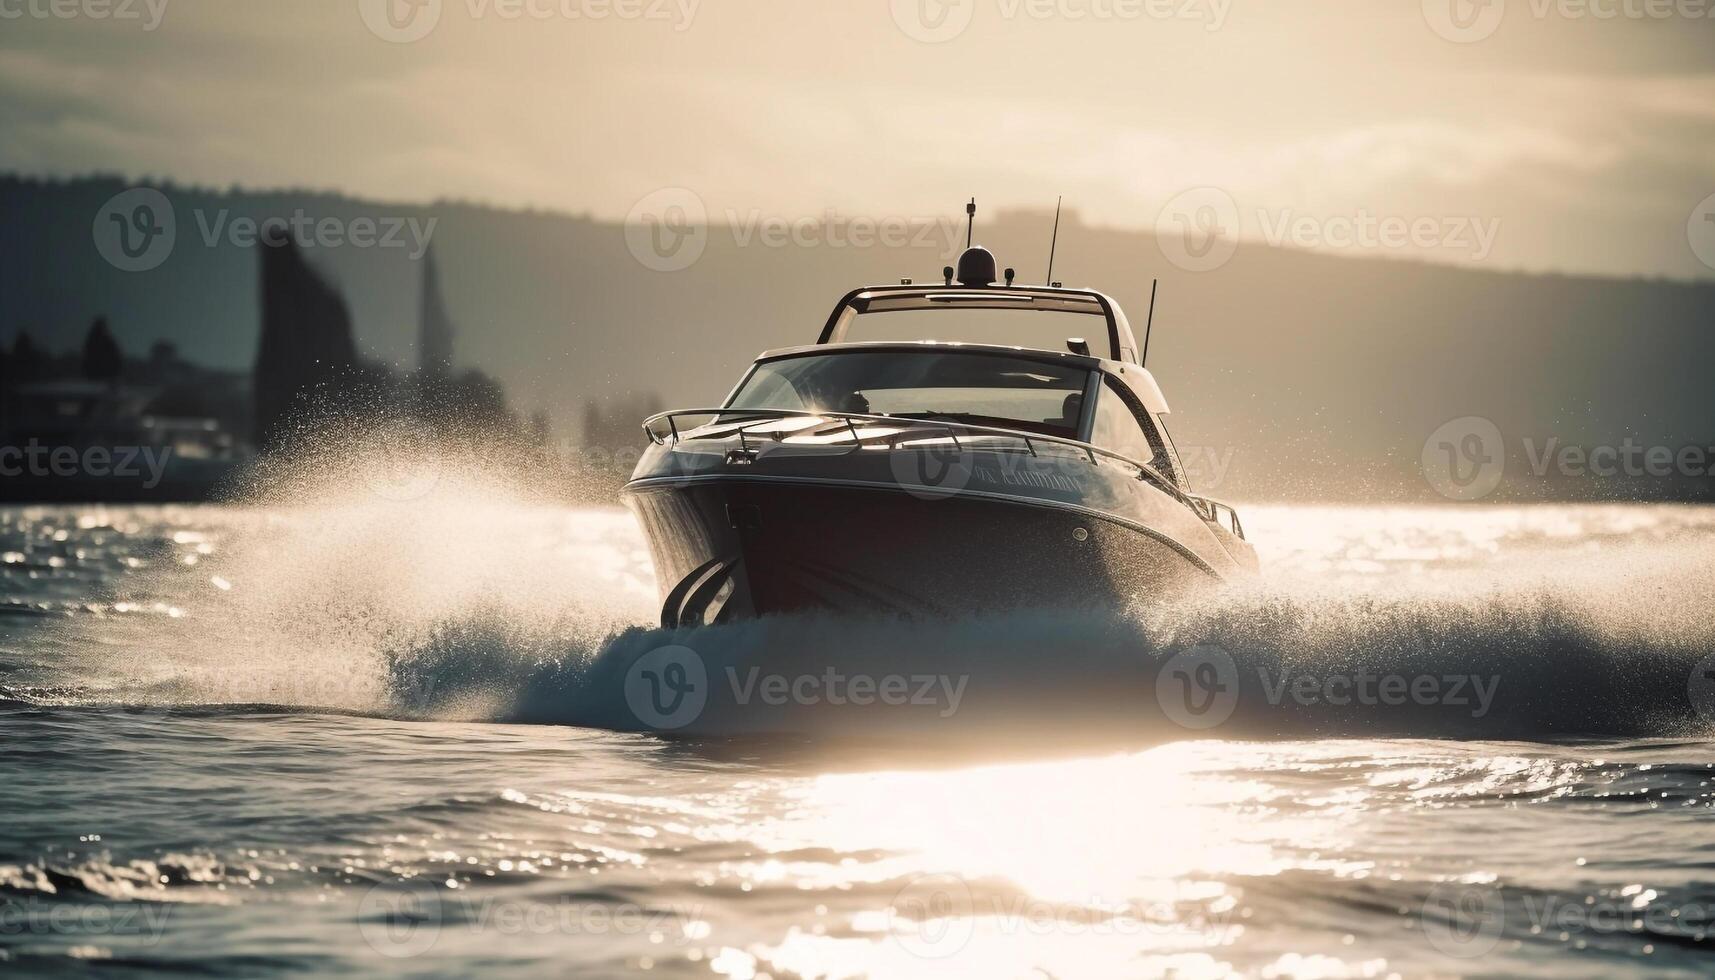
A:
x: 1547, y: 135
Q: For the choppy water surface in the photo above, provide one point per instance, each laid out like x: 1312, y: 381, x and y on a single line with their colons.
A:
x: 363, y: 735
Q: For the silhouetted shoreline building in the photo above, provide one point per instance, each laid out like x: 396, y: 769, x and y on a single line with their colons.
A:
x: 435, y: 329
x: 314, y: 389
x: 306, y: 350
x: 118, y: 429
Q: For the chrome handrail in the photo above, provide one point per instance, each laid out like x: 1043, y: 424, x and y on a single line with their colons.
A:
x: 1205, y: 507
x: 1215, y: 507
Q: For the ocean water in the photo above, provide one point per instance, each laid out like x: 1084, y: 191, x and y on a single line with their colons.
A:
x: 360, y: 734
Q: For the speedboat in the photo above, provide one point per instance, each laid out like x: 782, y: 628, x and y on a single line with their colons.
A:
x: 931, y: 478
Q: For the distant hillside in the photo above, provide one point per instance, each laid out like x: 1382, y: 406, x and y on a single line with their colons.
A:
x: 1312, y: 376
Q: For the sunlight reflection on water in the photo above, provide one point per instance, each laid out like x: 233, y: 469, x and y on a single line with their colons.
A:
x: 1305, y: 856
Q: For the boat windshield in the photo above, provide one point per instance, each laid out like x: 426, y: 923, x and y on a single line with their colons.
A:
x: 976, y: 389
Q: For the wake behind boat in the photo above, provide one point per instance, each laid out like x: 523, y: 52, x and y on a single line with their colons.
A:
x: 931, y: 478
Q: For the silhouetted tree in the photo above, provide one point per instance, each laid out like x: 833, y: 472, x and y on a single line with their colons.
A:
x: 26, y: 362
x: 101, y: 358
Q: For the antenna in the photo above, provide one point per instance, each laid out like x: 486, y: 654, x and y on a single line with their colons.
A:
x: 1149, y: 324
x: 970, y: 220
x: 1053, y: 242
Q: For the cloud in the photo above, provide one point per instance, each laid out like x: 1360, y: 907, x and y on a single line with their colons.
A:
x: 1314, y: 111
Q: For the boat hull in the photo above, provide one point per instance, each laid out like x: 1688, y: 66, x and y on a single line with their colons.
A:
x: 735, y: 546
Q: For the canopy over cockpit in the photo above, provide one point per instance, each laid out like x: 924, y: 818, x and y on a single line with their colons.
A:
x: 963, y: 289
